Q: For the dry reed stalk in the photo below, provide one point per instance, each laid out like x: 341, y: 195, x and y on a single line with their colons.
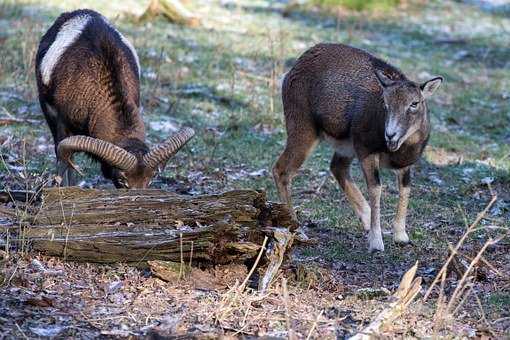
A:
x: 408, y: 289
x: 232, y: 296
x: 250, y: 273
x: 459, y: 244
x: 21, y: 331
x: 460, y: 286
x: 191, y: 255
x: 439, y: 314
x: 482, y: 313
x: 465, y: 287
x: 314, y: 325
x: 288, y: 319
x: 490, y: 266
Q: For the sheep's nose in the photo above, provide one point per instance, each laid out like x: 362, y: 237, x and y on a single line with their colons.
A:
x: 389, y: 136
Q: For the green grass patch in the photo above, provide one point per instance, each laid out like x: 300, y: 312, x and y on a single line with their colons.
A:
x: 358, y: 5
x: 500, y: 301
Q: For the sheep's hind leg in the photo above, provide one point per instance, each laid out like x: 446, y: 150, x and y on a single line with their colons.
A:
x: 289, y: 162
x: 370, y: 165
x: 340, y: 167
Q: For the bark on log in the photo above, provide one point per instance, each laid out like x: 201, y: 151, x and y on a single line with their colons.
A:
x: 173, y: 10
x: 135, y: 226
x: 25, y: 196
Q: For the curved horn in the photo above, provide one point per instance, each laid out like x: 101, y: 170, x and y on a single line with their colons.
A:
x: 164, y: 151
x: 110, y: 153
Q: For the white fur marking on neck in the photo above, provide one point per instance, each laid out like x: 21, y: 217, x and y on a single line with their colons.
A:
x: 127, y: 43
x: 68, y: 33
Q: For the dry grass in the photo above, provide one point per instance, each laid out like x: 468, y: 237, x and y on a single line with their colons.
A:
x: 447, y: 307
x: 139, y: 304
x: 315, y: 294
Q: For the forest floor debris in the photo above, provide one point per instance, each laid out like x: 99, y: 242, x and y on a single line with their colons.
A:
x: 212, y: 78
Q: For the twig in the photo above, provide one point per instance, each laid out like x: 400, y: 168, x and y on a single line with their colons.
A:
x: 314, y: 325
x: 10, y: 121
x: 469, y: 286
x: 182, y: 257
x: 504, y: 157
x: 408, y: 289
x: 282, y: 240
x: 506, y: 318
x: 482, y: 312
x: 458, y: 289
x: 245, y: 317
x: 262, y: 248
x: 8, y: 281
x: 21, y: 331
x: 288, y: 320
x: 484, y: 261
x: 438, y: 316
x: 191, y: 255
x: 459, y: 244
x: 319, y: 188
x: 494, y: 269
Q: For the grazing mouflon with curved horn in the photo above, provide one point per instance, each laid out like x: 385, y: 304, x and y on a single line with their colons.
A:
x: 367, y: 109
x: 88, y: 77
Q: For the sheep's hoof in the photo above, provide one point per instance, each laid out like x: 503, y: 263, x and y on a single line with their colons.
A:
x: 375, y: 243
x: 366, y: 226
x: 401, y: 238
x: 365, y: 220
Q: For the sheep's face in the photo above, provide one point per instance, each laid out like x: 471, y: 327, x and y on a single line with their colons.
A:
x: 138, y: 178
x: 406, y: 108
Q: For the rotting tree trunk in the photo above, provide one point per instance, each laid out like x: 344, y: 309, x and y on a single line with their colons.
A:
x: 139, y: 225
x: 173, y: 10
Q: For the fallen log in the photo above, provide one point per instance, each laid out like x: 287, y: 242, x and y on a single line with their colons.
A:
x: 10, y: 121
x: 26, y: 196
x: 135, y: 226
x: 172, y: 10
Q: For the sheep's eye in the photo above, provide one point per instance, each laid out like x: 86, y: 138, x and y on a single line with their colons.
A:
x: 414, y: 105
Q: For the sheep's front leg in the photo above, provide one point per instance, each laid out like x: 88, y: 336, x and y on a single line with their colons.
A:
x: 370, y: 165
x: 66, y: 173
x: 399, y: 225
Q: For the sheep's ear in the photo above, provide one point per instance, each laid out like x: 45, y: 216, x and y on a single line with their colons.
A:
x: 383, y: 79
x: 430, y: 86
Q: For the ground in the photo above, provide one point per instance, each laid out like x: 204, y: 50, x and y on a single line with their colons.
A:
x: 223, y: 79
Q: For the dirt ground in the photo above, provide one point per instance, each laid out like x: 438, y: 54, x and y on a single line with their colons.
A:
x: 222, y: 78
x: 46, y: 297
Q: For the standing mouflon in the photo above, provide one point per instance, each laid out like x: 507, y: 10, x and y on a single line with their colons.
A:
x: 365, y: 108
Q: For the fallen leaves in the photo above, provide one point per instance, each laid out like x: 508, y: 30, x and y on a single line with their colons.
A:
x: 40, y: 301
